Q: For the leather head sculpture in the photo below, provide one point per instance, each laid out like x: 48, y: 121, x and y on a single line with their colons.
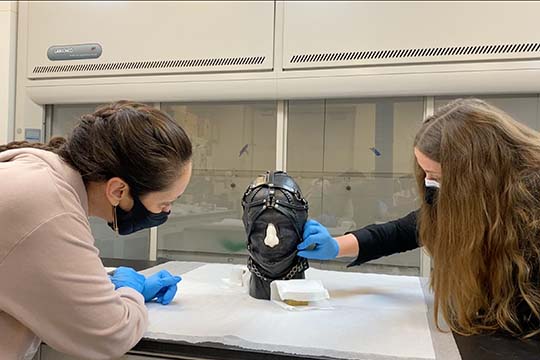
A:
x: 274, y: 216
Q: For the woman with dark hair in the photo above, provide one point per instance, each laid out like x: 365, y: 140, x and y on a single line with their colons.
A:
x: 478, y: 171
x: 125, y: 163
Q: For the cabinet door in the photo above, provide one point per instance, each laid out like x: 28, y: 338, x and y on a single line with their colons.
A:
x: 330, y: 34
x: 353, y: 160
x: 84, y: 38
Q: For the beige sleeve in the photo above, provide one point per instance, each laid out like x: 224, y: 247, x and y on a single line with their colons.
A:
x: 54, y: 283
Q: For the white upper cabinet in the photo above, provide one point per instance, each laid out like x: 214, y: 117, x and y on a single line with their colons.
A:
x: 135, y: 38
x: 325, y: 34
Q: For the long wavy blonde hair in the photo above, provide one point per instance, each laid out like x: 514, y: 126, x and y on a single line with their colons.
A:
x: 483, y: 231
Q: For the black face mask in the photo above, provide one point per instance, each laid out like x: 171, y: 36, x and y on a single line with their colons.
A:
x: 430, y: 193
x: 138, y: 218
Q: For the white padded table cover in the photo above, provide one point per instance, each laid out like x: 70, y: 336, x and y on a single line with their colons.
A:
x: 373, y: 316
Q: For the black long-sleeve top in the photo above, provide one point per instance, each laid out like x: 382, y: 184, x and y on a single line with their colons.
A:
x: 375, y: 241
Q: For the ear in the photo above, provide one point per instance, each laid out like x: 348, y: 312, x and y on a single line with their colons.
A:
x: 115, y: 190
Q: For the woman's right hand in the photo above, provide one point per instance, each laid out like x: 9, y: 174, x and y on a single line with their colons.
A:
x: 318, y: 243
x: 127, y: 277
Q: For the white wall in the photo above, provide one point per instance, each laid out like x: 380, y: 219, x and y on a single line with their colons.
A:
x: 8, y: 49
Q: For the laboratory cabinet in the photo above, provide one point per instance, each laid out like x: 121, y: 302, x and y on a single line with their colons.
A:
x: 352, y: 159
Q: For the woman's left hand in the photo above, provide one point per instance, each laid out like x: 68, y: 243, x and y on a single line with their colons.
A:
x: 161, y: 286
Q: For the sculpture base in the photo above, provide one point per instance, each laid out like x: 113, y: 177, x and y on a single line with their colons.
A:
x: 260, y: 289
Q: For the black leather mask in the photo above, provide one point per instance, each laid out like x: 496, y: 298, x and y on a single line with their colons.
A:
x: 138, y: 218
x: 274, y: 216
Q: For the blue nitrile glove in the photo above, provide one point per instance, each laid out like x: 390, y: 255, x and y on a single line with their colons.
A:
x: 325, y: 246
x: 161, y: 286
x: 127, y: 277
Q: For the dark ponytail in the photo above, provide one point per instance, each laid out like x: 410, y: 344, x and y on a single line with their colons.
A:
x: 53, y: 145
x: 138, y: 143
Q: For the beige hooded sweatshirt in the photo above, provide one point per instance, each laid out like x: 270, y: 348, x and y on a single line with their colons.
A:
x: 53, y: 285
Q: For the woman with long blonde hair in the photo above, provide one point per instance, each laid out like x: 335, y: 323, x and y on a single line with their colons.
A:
x: 478, y: 171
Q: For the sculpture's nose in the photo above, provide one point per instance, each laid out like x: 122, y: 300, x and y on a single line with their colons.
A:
x: 271, y: 238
